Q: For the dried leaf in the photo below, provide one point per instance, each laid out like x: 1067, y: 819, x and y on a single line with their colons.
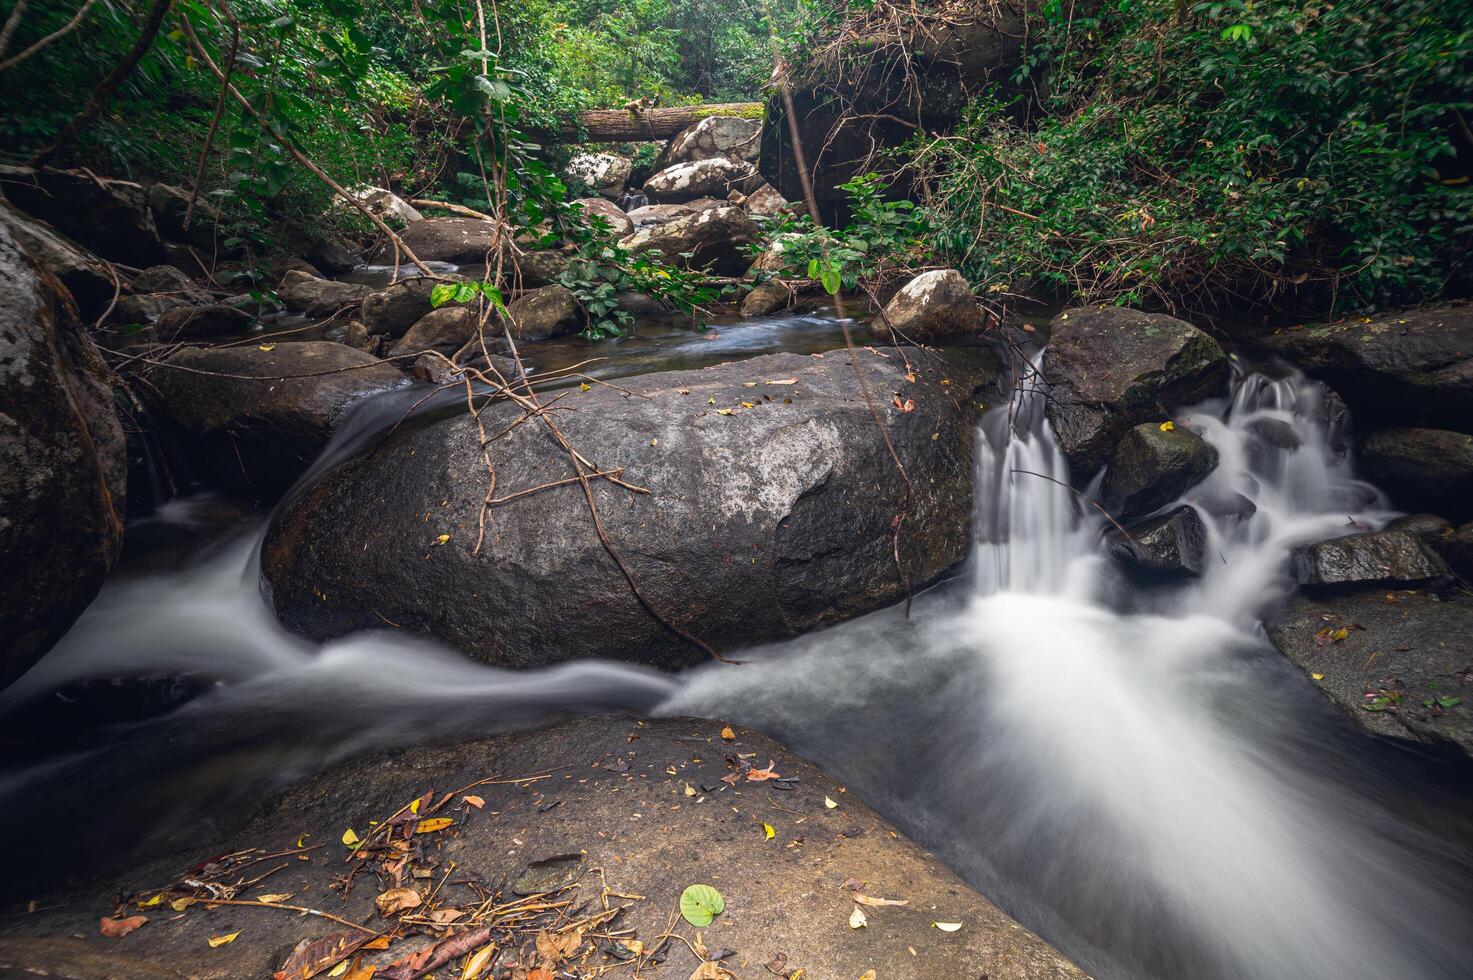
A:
x: 414, y: 803
x: 690, y: 790
x: 278, y: 898
x: 728, y: 734
x: 1168, y: 426
x: 217, y: 941
x: 478, y: 962
x: 725, y: 411
x: 585, y: 386
x: 350, y: 838
x: 712, y: 970
x: 312, y: 956
x: 947, y: 926
x: 152, y: 901
x: 761, y: 775
x: 1318, y: 677
x: 268, y: 347
x: 782, y: 381
x: 439, y: 539
x: 768, y: 832
x: 879, y: 902
x: 118, y: 928
x: 443, y: 917
x: 433, y: 824
x: 749, y: 384
x: 180, y: 904
x: 857, y: 919
x: 829, y: 804
x: 908, y: 405
x: 397, y: 900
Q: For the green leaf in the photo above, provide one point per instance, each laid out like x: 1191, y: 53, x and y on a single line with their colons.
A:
x: 830, y: 278
x: 441, y: 294
x: 700, y: 904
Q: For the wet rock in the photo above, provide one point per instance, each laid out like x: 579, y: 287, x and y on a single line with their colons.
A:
x: 603, y: 173
x: 716, y: 241
x: 168, y: 279
x: 715, y: 137
x: 778, y: 899
x: 280, y: 266
x: 1429, y: 527
x: 1422, y: 468
x: 537, y: 268
x: 388, y: 206
x: 704, y: 178
x: 1276, y: 433
x: 316, y: 297
x: 202, y: 322
x: 1409, y: 368
x: 760, y: 524
x: 63, y: 463
x: 1457, y: 550
x: 460, y: 241
x: 1398, y: 667
x: 109, y: 217
x: 658, y: 214
x: 332, y: 255
x: 257, y: 434
x: 1371, y: 557
x: 356, y: 335
x: 257, y: 305
x: 639, y: 304
x: 445, y: 330
x: 145, y: 308
x: 1172, y: 544
x: 84, y: 275
x: 551, y: 311
x: 393, y: 310
x: 1151, y: 468
x: 1112, y: 368
x: 778, y: 256
x: 765, y: 202
x: 169, y: 205
x: 598, y: 207
x: 934, y: 305
x: 769, y: 297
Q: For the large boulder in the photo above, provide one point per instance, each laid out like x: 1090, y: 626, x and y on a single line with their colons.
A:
x: 771, y: 503
x: 170, y: 204
x: 768, y: 297
x: 1110, y: 369
x: 716, y: 241
x: 684, y: 182
x: 1409, y: 368
x: 63, y: 463
x: 461, y: 241
x: 446, y: 330
x: 391, y: 311
x: 765, y: 202
x: 203, y: 322
x: 715, y: 137
x: 935, y: 305
x: 1152, y: 466
x: 110, y: 217
x: 658, y: 214
x: 602, y: 173
x: 1369, y: 558
x: 85, y: 276
x: 1172, y: 544
x: 545, y: 313
x: 1396, y: 663
x: 257, y: 415
x: 598, y: 207
x: 1457, y: 550
x: 1429, y: 469
x: 315, y: 297
x: 613, y: 808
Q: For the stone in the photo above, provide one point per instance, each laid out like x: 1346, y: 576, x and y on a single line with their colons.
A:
x: 387, y: 206
x: 715, y: 137
x: 1411, y: 368
x: 169, y: 205
x: 658, y: 214
x: 935, y: 305
x: 703, y: 178
x: 255, y: 435
x: 1110, y: 369
x: 769, y: 297
x: 356, y: 335
x: 717, y: 241
x: 1429, y: 527
x: 762, y: 523
x: 765, y: 202
x: 1422, y: 469
x: 707, y: 203
x: 1457, y: 551
x: 391, y: 311
x: 1368, y: 558
x: 459, y: 241
x: 202, y: 322
x: 332, y: 255
x: 598, y: 207
x: 144, y: 308
x: 1172, y: 544
x: 537, y: 268
x: 315, y: 297
x: 602, y: 173
x: 778, y: 899
x: 63, y: 463
x: 545, y: 313
x: 639, y: 304
x: 109, y: 217
x: 85, y: 276
x: 778, y: 256
x: 1399, y: 655
x: 446, y: 330
x: 167, y: 279
x: 1151, y: 468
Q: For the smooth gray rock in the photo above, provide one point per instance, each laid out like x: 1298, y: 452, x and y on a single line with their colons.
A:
x: 545, y: 313
x: 202, y: 322
x: 715, y: 177
x: 1151, y: 468
x: 1422, y: 469
x: 445, y: 330
x: 715, y: 137
x: 1172, y: 544
x: 1371, y: 557
x: 1112, y: 368
x: 769, y: 297
x: 760, y: 523
x: 935, y: 305
x: 84, y: 275
x: 716, y: 241
x: 597, y: 207
x: 315, y: 297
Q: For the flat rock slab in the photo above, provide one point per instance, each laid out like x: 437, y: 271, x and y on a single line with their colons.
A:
x: 1400, y: 650
x: 639, y: 808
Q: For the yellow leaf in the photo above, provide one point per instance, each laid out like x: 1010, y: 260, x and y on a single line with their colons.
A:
x: 152, y: 901
x: 689, y: 790
x: 217, y: 941
x: 180, y: 904
x: 339, y: 970
x: 768, y: 832
x: 1318, y: 677
x: 1168, y: 426
x: 728, y: 734
x: 947, y: 926
x: 278, y: 899
x: 585, y: 386
x: 748, y: 405
x: 749, y: 384
x: 830, y: 804
x: 783, y: 381
x: 477, y: 963
x: 710, y: 401
x: 867, y: 975
x: 439, y: 539
x: 725, y: 411
x: 433, y: 824
x: 350, y: 838
x: 268, y: 347
x: 414, y: 804
x: 474, y: 801
x: 879, y: 902
x: 654, y: 442
x: 302, y: 840
x: 857, y: 919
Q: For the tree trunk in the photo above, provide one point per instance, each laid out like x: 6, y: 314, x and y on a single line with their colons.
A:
x: 622, y: 125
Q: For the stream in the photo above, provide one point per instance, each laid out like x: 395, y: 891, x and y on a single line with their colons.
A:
x: 1129, y: 770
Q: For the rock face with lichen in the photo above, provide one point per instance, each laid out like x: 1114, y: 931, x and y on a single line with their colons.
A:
x: 769, y: 512
x: 62, y: 463
x: 714, y: 240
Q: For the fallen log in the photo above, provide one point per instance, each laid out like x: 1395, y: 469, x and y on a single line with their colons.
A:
x: 620, y: 125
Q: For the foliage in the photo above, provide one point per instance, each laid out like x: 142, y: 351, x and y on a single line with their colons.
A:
x: 1223, y: 150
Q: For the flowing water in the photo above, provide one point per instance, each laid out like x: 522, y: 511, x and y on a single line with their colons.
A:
x: 1126, y: 767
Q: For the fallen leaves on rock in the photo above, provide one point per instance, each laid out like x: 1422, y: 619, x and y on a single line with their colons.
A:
x: 312, y: 956
x: 700, y: 904
x: 879, y: 902
x: 396, y: 900
x: 857, y: 918
x: 217, y: 941
x: 947, y: 926
x: 118, y: 928
x: 711, y: 970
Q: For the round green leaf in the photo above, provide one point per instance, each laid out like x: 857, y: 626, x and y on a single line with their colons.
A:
x: 699, y: 904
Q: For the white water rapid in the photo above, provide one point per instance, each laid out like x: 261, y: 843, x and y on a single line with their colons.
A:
x: 1128, y: 769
